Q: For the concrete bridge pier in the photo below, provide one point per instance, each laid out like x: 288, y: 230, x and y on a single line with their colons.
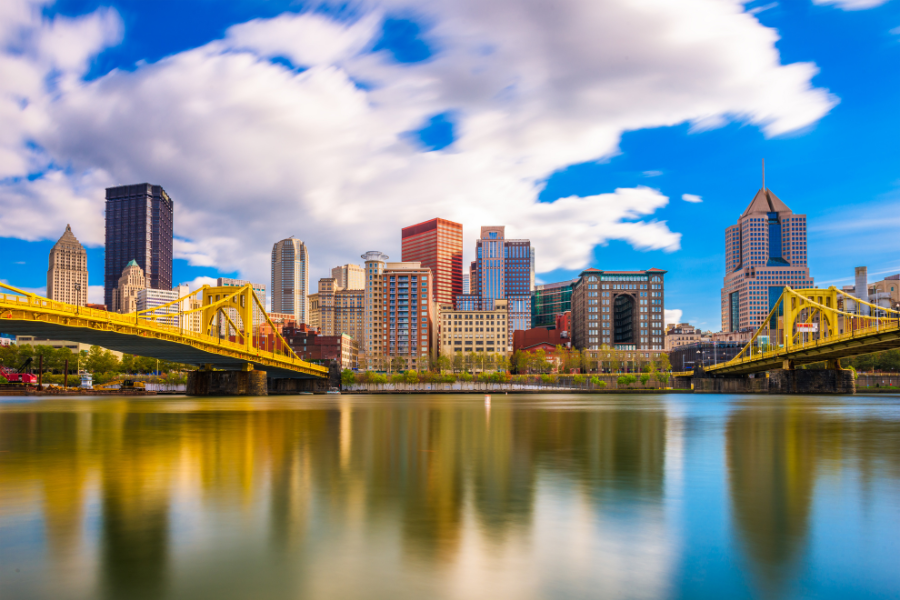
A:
x: 705, y: 383
x: 206, y: 382
x: 295, y: 386
x: 831, y: 380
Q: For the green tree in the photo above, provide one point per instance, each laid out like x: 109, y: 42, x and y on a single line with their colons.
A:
x: 398, y: 363
x: 502, y: 362
x: 397, y: 378
x: 664, y: 364
x: 347, y: 377
x: 443, y: 363
x: 595, y: 381
x: 411, y: 377
x: 626, y: 380
x: 645, y: 377
x: 662, y: 377
x: 522, y: 361
x: 458, y: 362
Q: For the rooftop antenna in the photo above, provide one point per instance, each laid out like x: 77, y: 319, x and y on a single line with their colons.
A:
x: 764, y: 174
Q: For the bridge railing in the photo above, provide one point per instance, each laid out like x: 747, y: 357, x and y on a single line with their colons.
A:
x: 855, y: 325
x: 21, y: 299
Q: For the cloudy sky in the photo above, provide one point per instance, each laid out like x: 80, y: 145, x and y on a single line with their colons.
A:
x: 618, y: 134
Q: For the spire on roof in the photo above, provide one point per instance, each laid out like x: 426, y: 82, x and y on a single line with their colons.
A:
x: 67, y: 238
x: 132, y: 263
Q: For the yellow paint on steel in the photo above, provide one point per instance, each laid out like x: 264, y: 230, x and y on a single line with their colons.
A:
x: 216, y: 302
x: 806, y: 326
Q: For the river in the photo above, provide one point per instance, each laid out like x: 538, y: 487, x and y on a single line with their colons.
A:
x: 446, y: 497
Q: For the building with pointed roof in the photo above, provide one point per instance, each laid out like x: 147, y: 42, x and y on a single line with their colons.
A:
x: 764, y: 252
x: 125, y: 295
x: 67, y: 275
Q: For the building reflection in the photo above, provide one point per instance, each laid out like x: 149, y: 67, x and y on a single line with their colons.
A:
x: 282, y: 486
x: 776, y: 455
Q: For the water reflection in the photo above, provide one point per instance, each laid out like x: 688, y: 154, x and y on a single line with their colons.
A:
x: 399, y: 497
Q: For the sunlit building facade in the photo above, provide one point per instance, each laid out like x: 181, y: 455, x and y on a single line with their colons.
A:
x: 624, y: 310
x: 764, y: 252
x: 290, y: 279
x: 67, y: 274
x: 437, y: 245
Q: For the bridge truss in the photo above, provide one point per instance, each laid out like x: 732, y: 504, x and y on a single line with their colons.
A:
x: 813, y: 325
x: 224, y: 336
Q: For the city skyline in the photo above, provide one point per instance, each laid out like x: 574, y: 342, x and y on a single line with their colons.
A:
x: 656, y: 185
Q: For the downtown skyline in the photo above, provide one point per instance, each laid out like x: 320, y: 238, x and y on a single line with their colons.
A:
x: 627, y: 203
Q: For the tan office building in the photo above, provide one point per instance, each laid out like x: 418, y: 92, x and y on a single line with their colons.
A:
x: 474, y: 330
x: 67, y: 275
x: 680, y: 334
x: 349, y: 277
x: 125, y: 294
x: 340, y: 311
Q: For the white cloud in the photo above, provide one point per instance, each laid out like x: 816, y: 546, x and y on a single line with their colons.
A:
x: 673, y: 315
x: 691, y: 198
x: 851, y: 4
x: 652, y: 173
x: 253, y: 152
x: 758, y: 9
x: 95, y: 294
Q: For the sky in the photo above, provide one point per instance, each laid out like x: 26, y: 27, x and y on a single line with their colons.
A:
x: 615, y: 134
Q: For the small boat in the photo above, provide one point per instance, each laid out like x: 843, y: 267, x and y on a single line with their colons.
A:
x: 333, y: 391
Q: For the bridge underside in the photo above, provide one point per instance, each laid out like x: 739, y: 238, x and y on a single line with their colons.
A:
x: 827, y: 351
x: 145, y: 346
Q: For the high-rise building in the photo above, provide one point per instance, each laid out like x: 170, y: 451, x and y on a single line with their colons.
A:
x: 764, y: 252
x: 67, y: 275
x: 259, y: 290
x: 374, y: 343
x: 349, y: 277
x: 124, y: 296
x: 437, y: 245
x: 290, y: 279
x: 550, y: 300
x: 504, y: 271
x: 148, y: 298
x: 139, y: 227
x: 400, y: 314
x: 466, y: 282
x: 340, y: 311
x: 190, y: 321
x: 624, y: 310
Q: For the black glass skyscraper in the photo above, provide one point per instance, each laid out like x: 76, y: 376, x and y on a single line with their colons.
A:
x: 138, y: 226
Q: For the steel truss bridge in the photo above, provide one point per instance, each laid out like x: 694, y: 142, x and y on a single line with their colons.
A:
x: 810, y: 326
x: 225, y: 339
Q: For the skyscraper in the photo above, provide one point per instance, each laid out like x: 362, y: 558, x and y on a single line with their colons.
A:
x: 139, y: 227
x: 290, y: 279
x: 437, y: 245
x: 374, y: 342
x: 67, y: 275
x: 764, y: 251
x: 503, y: 271
x: 124, y: 296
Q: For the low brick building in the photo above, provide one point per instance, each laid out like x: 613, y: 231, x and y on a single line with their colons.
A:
x: 342, y: 349
x: 538, y: 338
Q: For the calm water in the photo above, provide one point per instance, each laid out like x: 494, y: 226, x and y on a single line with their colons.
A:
x: 440, y: 497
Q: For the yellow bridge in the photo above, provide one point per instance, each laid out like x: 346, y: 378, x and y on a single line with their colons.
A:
x: 815, y: 325
x: 221, y: 338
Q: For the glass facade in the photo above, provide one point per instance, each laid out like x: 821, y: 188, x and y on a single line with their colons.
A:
x: 139, y: 227
x: 548, y: 301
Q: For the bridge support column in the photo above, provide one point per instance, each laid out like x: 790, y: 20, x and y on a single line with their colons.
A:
x: 226, y: 383
x: 812, y: 381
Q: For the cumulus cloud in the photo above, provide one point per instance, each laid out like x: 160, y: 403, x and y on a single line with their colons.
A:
x: 851, y: 4
x: 673, y: 315
x: 691, y: 198
x: 254, y: 151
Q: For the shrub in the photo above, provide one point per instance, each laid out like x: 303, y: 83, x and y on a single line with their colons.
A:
x: 411, y: 377
x: 397, y: 378
x: 3, y: 379
x: 601, y: 384
x: 465, y: 377
x: 645, y: 377
x: 579, y: 379
x: 626, y: 379
x: 595, y: 381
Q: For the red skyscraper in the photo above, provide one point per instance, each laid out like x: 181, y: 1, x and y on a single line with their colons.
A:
x: 437, y: 244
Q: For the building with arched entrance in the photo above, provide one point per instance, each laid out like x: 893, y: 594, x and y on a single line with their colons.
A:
x: 624, y: 310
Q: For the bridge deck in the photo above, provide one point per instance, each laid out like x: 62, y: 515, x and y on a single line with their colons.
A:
x: 850, y: 344
x: 43, y: 318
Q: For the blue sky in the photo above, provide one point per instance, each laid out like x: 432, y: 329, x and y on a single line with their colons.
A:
x: 342, y: 125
